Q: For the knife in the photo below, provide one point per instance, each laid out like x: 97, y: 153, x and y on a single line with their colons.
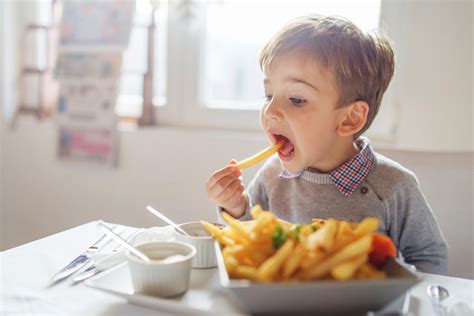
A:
x: 93, y: 270
x: 85, y: 257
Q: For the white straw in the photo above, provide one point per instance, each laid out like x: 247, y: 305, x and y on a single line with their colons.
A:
x: 166, y: 219
x: 119, y: 239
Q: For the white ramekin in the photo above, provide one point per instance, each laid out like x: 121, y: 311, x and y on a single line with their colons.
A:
x: 157, y: 278
x: 202, y: 240
x: 152, y: 234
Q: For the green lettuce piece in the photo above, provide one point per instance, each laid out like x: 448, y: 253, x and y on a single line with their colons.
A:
x: 278, y: 237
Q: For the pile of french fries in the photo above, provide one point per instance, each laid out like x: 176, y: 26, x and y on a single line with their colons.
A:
x: 268, y: 249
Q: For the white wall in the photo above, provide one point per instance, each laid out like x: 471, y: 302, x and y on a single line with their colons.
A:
x: 168, y: 168
x: 433, y: 78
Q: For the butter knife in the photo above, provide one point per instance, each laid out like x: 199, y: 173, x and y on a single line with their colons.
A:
x: 85, y: 257
x: 93, y: 270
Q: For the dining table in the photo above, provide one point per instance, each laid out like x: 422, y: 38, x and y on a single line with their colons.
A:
x: 26, y: 288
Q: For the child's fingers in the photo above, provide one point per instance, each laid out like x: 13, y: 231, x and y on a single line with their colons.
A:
x: 234, y: 162
x: 235, y: 199
x: 220, y: 174
x: 219, y: 187
x: 231, y: 190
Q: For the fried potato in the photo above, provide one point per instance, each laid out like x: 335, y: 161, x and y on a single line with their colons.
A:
x: 245, y: 272
x: 269, y: 249
x: 262, y: 155
x: 323, y: 237
x: 346, y: 270
x: 270, y: 267
x: 368, y: 271
x: 358, y: 247
x: 230, y: 263
x: 237, y: 225
x: 212, y: 229
x: 293, y: 261
x: 367, y: 226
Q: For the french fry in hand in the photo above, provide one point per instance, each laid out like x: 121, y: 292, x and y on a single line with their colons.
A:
x: 264, y: 154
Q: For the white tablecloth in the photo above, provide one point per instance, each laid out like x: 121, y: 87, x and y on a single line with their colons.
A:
x: 27, y: 270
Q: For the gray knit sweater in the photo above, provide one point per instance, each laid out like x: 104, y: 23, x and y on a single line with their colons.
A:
x: 390, y: 192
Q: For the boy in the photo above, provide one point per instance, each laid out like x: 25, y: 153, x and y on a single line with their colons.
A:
x: 324, y: 81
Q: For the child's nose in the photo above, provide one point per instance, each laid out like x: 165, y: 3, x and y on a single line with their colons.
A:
x: 272, y: 111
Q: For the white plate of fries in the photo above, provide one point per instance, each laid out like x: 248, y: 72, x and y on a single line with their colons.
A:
x: 327, y: 266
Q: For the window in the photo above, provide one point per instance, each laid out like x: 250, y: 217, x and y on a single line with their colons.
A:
x: 205, y: 62
x: 234, y: 46
x: 134, y: 65
x: 215, y: 45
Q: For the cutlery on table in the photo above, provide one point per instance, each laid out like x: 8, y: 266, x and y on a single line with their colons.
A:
x: 111, y: 260
x: 125, y: 244
x: 84, y: 258
x: 437, y: 294
x: 166, y: 219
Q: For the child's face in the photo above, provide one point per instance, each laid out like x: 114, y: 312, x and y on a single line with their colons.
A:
x: 301, y: 107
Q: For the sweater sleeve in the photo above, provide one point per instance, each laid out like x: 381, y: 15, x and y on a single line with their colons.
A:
x: 257, y: 194
x: 414, y: 228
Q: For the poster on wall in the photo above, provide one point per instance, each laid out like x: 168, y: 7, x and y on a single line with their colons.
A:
x: 89, y: 101
x: 105, y: 64
x: 96, y: 23
x: 93, y: 145
x: 93, y: 36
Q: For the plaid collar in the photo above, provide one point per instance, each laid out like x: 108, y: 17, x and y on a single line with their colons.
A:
x: 347, y: 176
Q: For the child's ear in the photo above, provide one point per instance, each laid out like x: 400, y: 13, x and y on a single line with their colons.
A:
x: 353, y: 118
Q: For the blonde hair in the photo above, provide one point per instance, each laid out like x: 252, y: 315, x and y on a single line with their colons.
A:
x: 362, y: 63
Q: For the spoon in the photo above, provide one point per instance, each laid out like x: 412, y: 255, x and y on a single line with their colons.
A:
x: 437, y: 294
x: 125, y: 244
x: 166, y: 219
x: 172, y: 259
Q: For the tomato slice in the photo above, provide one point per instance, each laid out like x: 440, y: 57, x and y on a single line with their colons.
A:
x: 382, y: 249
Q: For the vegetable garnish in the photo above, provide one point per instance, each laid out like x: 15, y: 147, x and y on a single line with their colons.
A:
x: 296, y: 231
x: 382, y: 249
x: 278, y: 237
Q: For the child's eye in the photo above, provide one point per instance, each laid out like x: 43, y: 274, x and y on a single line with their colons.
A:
x: 297, y: 101
x: 268, y: 98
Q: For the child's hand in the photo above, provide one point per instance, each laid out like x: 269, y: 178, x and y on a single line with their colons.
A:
x: 226, y: 189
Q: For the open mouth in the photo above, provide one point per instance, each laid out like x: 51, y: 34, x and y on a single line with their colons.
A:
x: 287, y: 150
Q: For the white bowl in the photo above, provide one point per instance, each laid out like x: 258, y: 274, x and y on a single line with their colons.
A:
x: 159, y: 278
x: 152, y: 234
x: 202, y: 240
x: 322, y: 297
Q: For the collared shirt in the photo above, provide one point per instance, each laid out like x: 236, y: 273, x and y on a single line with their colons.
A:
x: 347, y: 176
